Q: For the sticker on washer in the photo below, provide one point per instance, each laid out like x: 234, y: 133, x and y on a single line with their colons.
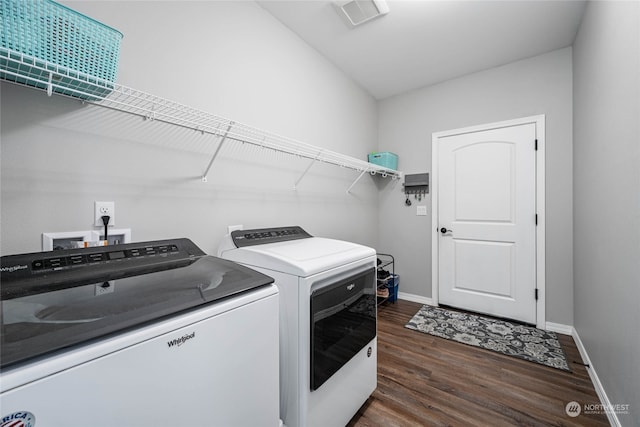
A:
x: 18, y: 419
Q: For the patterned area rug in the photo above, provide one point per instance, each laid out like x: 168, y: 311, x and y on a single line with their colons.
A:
x: 508, y: 338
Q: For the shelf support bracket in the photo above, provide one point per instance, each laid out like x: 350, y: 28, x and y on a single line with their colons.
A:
x: 215, y: 154
x: 50, y: 84
x: 315, y: 159
x: 356, y: 181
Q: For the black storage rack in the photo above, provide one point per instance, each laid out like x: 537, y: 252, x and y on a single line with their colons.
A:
x: 382, y: 282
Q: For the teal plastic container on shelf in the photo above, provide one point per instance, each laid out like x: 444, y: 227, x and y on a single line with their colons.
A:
x: 82, y: 52
x: 384, y: 159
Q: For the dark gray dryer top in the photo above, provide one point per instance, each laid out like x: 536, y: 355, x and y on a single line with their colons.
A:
x: 55, y: 300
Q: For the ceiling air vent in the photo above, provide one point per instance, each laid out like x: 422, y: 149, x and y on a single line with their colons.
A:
x: 360, y: 11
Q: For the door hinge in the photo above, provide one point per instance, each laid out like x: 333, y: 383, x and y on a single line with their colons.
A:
x: 536, y: 294
x: 536, y: 219
x: 536, y: 145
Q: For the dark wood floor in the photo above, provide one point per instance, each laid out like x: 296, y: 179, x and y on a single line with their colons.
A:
x: 429, y: 381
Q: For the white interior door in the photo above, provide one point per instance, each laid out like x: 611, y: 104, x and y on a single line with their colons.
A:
x: 486, y: 219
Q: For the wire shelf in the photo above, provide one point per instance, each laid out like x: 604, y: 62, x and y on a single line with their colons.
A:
x: 28, y: 71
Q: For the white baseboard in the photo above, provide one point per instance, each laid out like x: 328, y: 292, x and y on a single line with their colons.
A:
x: 604, y: 399
x: 415, y: 298
x: 559, y: 328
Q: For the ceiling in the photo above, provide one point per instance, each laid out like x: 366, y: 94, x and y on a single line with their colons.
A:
x: 423, y: 42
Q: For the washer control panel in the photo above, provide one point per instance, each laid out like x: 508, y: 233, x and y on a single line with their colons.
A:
x: 104, y: 255
x: 25, y: 274
x: 261, y: 236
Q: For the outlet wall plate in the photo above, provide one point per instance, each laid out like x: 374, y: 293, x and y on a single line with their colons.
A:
x: 64, y: 239
x: 101, y: 209
x: 231, y: 228
x: 116, y: 236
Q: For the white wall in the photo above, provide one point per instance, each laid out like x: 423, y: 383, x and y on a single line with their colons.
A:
x: 607, y: 197
x: 229, y: 58
x: 539, y: 85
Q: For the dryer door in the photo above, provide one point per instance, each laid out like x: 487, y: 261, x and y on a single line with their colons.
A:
x: 343, y: 321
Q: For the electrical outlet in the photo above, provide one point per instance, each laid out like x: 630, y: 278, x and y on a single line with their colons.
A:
x: 105, y: 288
x: 104, y: 208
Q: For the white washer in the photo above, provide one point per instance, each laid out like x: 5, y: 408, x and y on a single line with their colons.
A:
x: 328, y: 356
x: 142, y: 334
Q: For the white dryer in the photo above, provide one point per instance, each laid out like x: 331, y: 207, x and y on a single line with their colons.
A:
x: 328, y: 357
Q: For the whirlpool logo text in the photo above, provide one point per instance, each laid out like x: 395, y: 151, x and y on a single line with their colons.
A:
x: 179, y: 341
x: 13, y: 268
